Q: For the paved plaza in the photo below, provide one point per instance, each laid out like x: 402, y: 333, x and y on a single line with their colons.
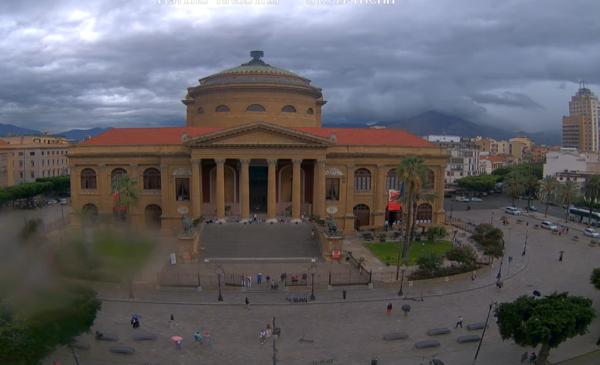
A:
x: 351, y: 331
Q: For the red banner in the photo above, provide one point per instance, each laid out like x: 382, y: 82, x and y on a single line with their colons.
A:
x: 393, y: 204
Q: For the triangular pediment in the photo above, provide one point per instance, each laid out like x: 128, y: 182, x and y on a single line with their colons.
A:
x: 258, y: 134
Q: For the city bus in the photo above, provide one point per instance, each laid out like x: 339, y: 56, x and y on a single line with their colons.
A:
x: 582, y: 216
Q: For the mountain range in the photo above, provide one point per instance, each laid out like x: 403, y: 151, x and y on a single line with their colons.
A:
x: 430, y: 122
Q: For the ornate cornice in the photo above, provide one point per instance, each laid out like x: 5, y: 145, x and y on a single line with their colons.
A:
x: 272, y: 162
x: 297, y: 162
x: 380, y: 155
x: 128, y: 155
x: 133, y: 165
x: 321, y: 162
x: 220, y: 162
x: 102, y: 166
x: 351, y: 167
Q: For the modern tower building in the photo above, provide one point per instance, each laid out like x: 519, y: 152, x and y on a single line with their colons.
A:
x: 580, y: 128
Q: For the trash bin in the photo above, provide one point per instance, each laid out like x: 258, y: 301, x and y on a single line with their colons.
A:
x: 374, y: 361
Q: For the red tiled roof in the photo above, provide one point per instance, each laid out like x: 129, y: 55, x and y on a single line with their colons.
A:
x: 345, y: 136
x: 492, y: 158
x: 3, y: 143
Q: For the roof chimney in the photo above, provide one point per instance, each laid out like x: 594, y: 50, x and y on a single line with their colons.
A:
x: 333, y: 137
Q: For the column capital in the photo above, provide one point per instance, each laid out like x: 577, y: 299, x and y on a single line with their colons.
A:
x: 381, y: 167
x: 321, y: 162
x: 245, y: 162
x: 297, y: 162
x: 195, y: 162
x: 133, y: 165
x: 164, y: 167
x: 102, y: 167
x: 272, y: 162
x: 351, y: 167
x: 220, y: 162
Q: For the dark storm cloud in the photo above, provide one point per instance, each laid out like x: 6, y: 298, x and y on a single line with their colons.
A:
x: 69, y: 64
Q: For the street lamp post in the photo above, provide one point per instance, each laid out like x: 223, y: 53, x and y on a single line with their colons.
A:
x: 525, y: 247
x: 400, y: 292
x: 219, y: 271
x: 313, y: 270
x: 492, y: 219
x: 451, y: 209
x: 483, y: 334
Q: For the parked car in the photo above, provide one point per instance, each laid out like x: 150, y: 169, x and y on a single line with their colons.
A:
x: 474, y: 199
x: 533, y: 208
x: 552, y: 203
x: 484, y: 193
x: 63, y: 202
x: 591, y: 232
x: 565, y: 206
x: 462, y: 199
x: 549, y: 225
x: 52, y: 202
x: 513, y: 211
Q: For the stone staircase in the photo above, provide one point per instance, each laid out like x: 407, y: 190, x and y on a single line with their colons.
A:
x: 238, y: 242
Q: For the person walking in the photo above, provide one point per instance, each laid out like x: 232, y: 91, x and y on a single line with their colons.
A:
x: 263, y: 336
x: 247, y: 303
x: 524, y: 357
x: 136, y: 323
x: 459, y: 322
x: 473, y: 277
x: 133, y: 322
x: 561, y: 256
x: 197, y: 338
x: 172, y: 321
x: 269, y: 331
x: 389, y: 308
x: 259, y: 278
x: 532, y: 358
x: 178, y: 345
x: 206, y: 340
x: 344, y: 294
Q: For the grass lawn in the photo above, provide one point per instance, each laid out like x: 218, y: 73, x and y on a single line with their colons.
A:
x: 384, y: 249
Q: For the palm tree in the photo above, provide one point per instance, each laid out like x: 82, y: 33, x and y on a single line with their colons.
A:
x: 127, y: 194
x: 567, y: 193
x: 427, y: 196
x: 515, y: 185
x: 531, y: 182
x: 591, y: 192
x: 547, y: 190
x: 413, y: 172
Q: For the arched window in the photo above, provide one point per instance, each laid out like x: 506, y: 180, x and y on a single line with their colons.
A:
x: 392, y: 181
x: 430, y: 180
x: 116, y: 173
x: 424, y: 213
x: 362, y: 180
x: 222, y: 109
x: 151, y: 179
x: 88, y: 179
x: 255, y: 108
x: 200, y: 110
x: 310, y: 111
x: 288, y: 109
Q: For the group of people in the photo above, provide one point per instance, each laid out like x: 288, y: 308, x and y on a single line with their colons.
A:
x: 202, y: 339
x: 265, y: 333
x: 531, y: 358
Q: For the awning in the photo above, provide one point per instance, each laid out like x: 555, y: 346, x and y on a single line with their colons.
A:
x: 394, y: 206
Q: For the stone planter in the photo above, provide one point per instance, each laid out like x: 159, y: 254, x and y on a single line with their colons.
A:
x: 555, y: 233
x: 519, y: 221
x: 576, y: 239
x: 536, y: 227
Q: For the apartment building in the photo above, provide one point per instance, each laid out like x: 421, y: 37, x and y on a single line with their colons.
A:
x: 580, y: 127
x: 6, y: 175
x: 571, y: 164
x: 463, y: 157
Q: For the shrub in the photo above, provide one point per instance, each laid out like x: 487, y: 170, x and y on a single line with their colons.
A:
x: 465, y: 255
x: 430, y: 263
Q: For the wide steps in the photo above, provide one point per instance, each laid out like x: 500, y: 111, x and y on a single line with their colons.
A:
x: 258, y: 241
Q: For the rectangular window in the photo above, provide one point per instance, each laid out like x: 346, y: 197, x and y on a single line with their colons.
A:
x: 31, y: 163
x: 182, y: 191
x: 42, y: 153
x: 21, y: 174
x: 20, y: 153
x: 32, y: 175
x: 20, y: 163
x: 332, y: 189
x: 31, y: 153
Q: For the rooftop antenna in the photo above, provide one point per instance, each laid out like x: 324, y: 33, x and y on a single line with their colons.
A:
x: 583, y: 84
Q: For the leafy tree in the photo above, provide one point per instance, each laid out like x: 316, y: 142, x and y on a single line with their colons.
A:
x: 435, y: 233
x: 430, y: 263
x: 549, y: 321
x: 547, y: 190
x: 31, y: 330
x: 536, y: 169
x: 491, y: 238
x: 418, y: 196
x: 515, y: 184
x: 595, y: 278
x: 479, y: 184
x: 60, y: 183
x: 591, y: 192
x: 127, y: 194
x: 567, y: 194
x: 530, y: 182
x: 464, y: 255
x: 31, y: 229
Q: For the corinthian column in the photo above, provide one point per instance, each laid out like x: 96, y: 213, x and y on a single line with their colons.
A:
x: 319, y: 189
x: 271, y: 190
x: 380, y: 195
x: 196, y: 188
x: 220, y: 189
x: 350, y: 191
x: 245, y: 190
x: 296, y: 189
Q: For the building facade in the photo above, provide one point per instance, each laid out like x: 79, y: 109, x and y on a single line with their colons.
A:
x: 253, y: 144
x: 570, y: 164
x: 463, y: 157
x: 6, y: 168
x: 37, y: 156
x: 580, y: 127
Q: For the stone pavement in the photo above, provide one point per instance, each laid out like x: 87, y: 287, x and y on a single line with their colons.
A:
x: 351, y: 332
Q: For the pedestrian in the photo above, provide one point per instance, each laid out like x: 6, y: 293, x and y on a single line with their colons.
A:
x: 136, y: 323
x: 524, y: 357
x: 567, y: 230
x: 247, y: 303
x: 474, y: 276
x: 263, y: 336
x: 197, y: 338
x: 527, y: 224
x: 132, y: 322
x: 499, y: 283
x: 559, y: 233
x: 389, y: 308
x: 269, y: 331
x: 268, y: 277
x: 259, y: 278
x: 532, y: 358
x: 56, y: 363
x: 312, y: 234
x: 344, y: 294
x: 178, y: 345
x: 172, y: 321
x: 459, y: 322
x: 249, y: 280
x: 206, y: 340
x: 561, y: 256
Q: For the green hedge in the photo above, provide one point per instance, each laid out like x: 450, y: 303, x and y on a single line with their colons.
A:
x: 30, y: 190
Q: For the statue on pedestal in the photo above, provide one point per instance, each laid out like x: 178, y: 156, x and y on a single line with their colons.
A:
x: 332, y: 225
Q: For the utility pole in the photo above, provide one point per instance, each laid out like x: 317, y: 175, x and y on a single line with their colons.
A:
x: 274, y: 353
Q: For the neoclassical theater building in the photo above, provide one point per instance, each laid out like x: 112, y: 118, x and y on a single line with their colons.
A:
x: 253, y: 144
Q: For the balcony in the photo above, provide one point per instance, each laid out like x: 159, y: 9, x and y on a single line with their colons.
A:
x: 151, y: 191
x: 357, y: 191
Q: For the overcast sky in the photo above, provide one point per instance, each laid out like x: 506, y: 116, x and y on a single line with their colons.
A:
x: 81, y: 64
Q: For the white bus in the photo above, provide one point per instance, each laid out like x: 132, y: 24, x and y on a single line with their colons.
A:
x: 583, y: 215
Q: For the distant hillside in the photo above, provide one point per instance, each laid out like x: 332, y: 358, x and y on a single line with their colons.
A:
x: 6, y: 129
x: 79, y: 134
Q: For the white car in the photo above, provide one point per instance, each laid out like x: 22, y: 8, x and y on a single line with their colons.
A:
x: 52, y: 202
x: 63, y: 202
x: 591, y: 232
x: 462, y: 199
x: 474, y: 199
x: 549, y: 225
x: 513, y: 211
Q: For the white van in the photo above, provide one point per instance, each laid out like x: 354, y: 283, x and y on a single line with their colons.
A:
x: 549, y: 225
x: 513, y: 211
